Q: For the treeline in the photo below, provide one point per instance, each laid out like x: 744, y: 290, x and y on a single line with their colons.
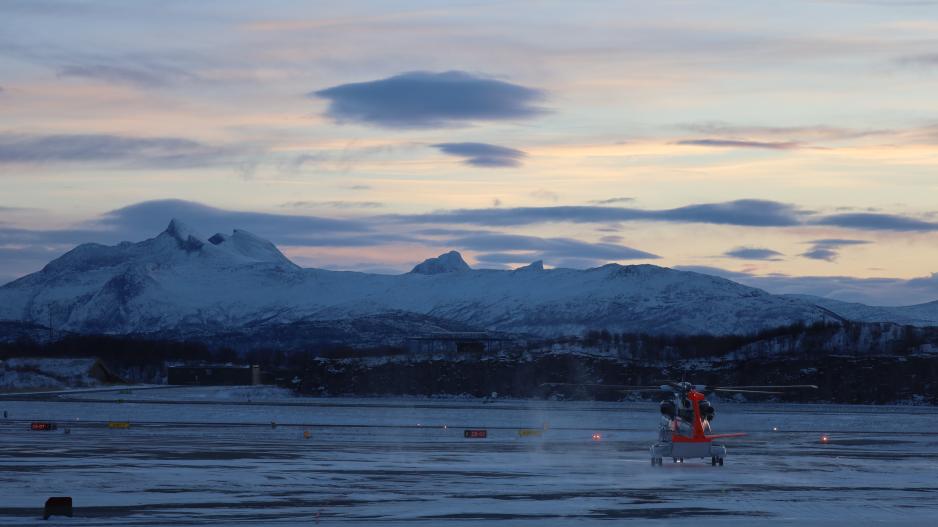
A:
x: 866, y: 380
x: 795, y: 340
x: 117, y: 350
x: 285, y: 359
x: 146, y: 355
x: 135, y: 351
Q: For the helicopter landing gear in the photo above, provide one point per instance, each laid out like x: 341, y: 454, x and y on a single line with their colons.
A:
x: 656, y: 461
x: 714, y: 461
x: 678, y: 459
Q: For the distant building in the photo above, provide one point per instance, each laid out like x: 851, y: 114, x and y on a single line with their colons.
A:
x: 457, y: 342
x: 213, y: 374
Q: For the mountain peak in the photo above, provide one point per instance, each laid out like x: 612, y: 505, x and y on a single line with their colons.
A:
x: 183, y: 235
x: 177, y: 229
x: 450, y: 262
x: 537, y: 265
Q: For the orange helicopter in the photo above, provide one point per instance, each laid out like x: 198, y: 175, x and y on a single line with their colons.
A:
x: 686, y: 416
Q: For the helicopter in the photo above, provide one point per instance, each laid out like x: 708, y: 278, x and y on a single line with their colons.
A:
x: 686, y: 416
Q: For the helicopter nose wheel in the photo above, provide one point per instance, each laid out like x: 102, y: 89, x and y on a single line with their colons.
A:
x: 714, y: 461
x: 656, y: 461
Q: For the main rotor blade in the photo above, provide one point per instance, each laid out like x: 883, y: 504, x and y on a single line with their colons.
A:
x: 734, y: 390
x: 779, y: 387
x: 623, y: 387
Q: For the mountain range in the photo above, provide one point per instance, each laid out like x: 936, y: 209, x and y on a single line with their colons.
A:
x: 182, y: 283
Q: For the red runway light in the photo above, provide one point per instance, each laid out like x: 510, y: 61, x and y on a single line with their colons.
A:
x: 43, y: 426
x: 597, y: 436
x: 825, y: 438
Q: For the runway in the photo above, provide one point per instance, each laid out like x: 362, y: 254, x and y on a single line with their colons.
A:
x: 205, y: 456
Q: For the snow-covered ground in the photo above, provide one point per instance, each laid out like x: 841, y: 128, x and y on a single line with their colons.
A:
x: 26, y: 374
x: 187, y: 393
x: 218, y: 460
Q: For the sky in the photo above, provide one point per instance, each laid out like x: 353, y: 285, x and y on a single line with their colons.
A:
x: 790, y: 145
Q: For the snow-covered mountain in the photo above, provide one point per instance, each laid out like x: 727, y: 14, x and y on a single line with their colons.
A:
x: 181, y: 281
x: 922, y: 315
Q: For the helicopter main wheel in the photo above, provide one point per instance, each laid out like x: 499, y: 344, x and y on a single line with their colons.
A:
x: 720, y: 461
x: 713, y: 461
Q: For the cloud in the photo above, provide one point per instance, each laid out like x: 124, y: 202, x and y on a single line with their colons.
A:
x: 713, y: 271
x: 33, y: 238
x: 826, y: 249
x: 547, y: 249
x: 424, y: 99
x: 483, y: 154
x: 870, y: 291
x: 873, y: 221
x: 821, y: 253
x: 749, y: 212
x: 127, y: 64
x: 754, y: 253
x: 147, y: 219
x: 124, y: 150
x: 433, y: 231
x: 333, y: 204
x: 746, y: 212
x: 150, y: 217
x: 141, y: 75
x: 838, y: 242
x: 341, y: 161
x: 505, y: 258
x: 610, y: 201
x: 804, y: 134
x: 732, y: 143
